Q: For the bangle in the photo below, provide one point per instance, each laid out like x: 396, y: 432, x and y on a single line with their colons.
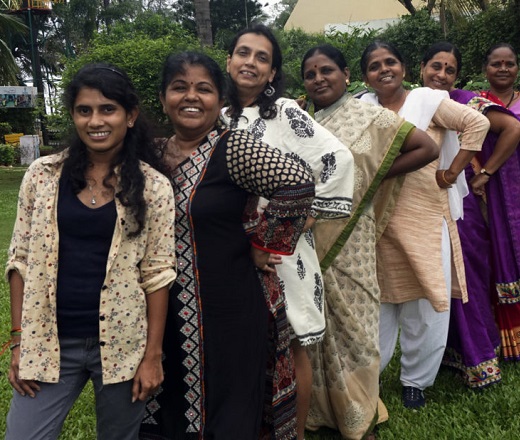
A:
x: 444, y: 178
x: 483, y: 171
x: 13, y: 346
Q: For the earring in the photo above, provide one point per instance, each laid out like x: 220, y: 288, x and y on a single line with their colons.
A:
x: 347, y: 82
x: 269, y: 90
x: 130, y: 124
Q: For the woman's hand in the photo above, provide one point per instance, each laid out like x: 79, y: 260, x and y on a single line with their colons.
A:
x: 148, y: 378
x: 265, y: 260
x: 478, y: 184
x: 445, y: 179
x: 309, y: 223
x: 23, y: 387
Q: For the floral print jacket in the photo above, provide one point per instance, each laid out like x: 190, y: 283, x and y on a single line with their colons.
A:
x: 135, y: 267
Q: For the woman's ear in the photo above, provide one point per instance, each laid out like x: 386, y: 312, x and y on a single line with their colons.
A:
x: 228, y: 61
x: 161, y: 98
x: 273, y: 73
x: 346, y: 71
x: 131, y: 117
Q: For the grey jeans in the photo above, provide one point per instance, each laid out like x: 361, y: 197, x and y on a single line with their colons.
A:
x: 42, y: 417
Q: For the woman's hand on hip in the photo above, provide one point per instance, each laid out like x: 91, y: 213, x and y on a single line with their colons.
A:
x: 265, y: 260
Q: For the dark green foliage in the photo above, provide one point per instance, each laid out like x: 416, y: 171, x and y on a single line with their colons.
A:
x: 7, y: 155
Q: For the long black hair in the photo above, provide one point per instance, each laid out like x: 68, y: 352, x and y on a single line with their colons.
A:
x: 266, y: 104
x: 138, y: 144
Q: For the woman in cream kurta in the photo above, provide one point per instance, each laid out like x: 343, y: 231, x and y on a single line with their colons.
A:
x: 420, y: 244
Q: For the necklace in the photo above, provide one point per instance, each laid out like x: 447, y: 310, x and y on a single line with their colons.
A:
x: 93, y: 194
x: 511, y: 100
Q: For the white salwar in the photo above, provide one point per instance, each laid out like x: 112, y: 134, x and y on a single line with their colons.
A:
x: 424, y: 331
x: 298, y: 136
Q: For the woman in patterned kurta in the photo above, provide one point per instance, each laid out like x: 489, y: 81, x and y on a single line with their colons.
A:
x: 346, y: 364
x: 216, y: 346
x: 420, y: 244
x: 255, y: 69
x: 473, y: 339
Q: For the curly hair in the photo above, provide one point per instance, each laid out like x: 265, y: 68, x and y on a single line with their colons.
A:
x: 138, y: 144
x: 266, y: 104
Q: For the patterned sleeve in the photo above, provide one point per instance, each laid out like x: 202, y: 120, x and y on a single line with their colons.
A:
x: 158, y: 266
x: 18, y: 249
x: 329, y: 159
x: 266, y: 172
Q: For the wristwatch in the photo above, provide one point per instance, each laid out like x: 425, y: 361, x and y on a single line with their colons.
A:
x: 483, y: 171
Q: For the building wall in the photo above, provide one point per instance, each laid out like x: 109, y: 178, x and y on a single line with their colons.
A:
x: 320, y: 15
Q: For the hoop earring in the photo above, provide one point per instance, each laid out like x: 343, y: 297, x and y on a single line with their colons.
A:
x: 269, y: 90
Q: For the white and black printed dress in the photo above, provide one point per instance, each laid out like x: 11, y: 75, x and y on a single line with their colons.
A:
x: 298, y: 136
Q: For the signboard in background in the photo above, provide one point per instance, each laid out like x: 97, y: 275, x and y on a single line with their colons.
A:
x: 17, y: 96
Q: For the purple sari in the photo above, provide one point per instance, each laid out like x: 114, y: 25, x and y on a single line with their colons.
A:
x: 474, y: 340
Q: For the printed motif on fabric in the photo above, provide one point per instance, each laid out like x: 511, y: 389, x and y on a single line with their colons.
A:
x: 508, y: 293
x: 185, y: 180
x: 478, y: 376
x: 329, y: 208
x: 298, y: 159
x: 280, y: 409
x: 257, y: 128
x: 301, y: 124
x: 318, y: 292
x: 329, y: 162
x: 300, y: 267
x: 286, y: 212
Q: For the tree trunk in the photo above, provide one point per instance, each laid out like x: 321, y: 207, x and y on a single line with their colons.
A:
x: 409, y: 6
x: 203, y: 21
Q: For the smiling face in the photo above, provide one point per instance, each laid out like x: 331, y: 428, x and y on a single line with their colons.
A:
x: 101, y: 123
x: 440, y: 72
x: 250, y: 64
x: 324, y: 81
x: 502, y: 68
x: 384, y: 73
x: 192, y: 102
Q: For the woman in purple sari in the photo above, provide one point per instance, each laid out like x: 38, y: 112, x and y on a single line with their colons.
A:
x: 501, y: 69
x: 473, y: 340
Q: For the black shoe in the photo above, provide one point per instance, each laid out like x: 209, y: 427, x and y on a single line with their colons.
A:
x: 413, y: 398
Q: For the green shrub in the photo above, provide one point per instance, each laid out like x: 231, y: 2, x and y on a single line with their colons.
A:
x: 5, y: 128
x: 7, y: 155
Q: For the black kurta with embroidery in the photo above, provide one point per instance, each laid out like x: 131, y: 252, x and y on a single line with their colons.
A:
x: 216, y: 343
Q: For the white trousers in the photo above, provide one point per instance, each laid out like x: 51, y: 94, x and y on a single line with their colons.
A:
x: 424, y: 331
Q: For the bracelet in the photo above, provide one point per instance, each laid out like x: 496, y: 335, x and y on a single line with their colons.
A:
x: 16, y: 332
x: 13, y: 346
x: 483, y: 171
x: 444, y: 178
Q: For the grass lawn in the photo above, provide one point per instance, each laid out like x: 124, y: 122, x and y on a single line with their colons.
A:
x: 453, y: 412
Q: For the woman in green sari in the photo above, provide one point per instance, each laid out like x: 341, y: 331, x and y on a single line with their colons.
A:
x: 345, y: 393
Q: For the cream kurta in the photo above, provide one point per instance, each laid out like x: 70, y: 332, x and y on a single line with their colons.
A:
x: 409, y: 258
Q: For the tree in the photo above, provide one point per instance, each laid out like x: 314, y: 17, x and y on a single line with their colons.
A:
x: 227, y: 17
x: 203, y: 21
x: 9, y: 26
